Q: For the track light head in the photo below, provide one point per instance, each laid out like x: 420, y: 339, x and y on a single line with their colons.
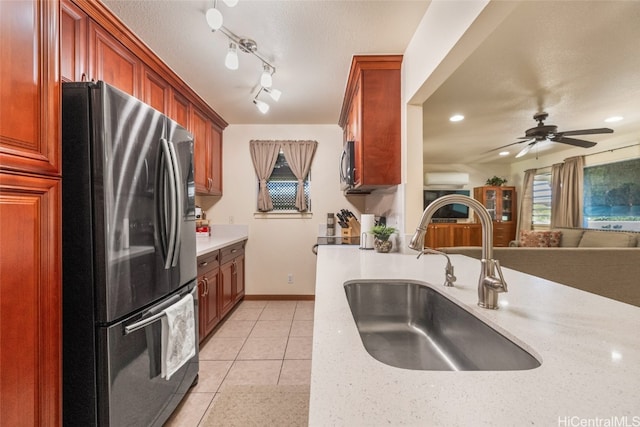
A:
x: 262, y: 106
x: 273, y: 93
x: 231, y: 60
x: 214, y: 18
x: 265, y: 79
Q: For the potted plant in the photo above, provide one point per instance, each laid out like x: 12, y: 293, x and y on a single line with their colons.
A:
x: 381, y: 234
x: 496, y: 181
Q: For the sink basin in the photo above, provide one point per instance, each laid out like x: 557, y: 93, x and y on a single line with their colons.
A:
x: 409, y: 325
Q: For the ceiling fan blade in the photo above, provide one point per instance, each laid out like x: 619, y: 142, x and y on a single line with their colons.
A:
x: 572, y: 141
x: 586, y: 131
x: 509, y: 145
x: 526, y: 149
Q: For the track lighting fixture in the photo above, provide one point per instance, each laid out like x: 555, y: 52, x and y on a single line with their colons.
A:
x: 246, y: 45
x: 262, y: 106
x: 273, y: 93
x: 214, y: 18
x: 265, y: 79
x: 231, y: 60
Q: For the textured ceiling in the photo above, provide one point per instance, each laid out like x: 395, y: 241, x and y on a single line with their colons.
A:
x: 578, y: 61
x: 309, y: 42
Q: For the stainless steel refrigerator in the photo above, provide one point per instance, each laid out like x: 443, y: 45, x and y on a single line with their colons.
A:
x: 129, y: 253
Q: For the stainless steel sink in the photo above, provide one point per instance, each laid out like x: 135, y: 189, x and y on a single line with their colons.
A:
x: 409, y: 325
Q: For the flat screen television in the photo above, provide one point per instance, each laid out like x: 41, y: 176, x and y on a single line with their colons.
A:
x: 452, y: 211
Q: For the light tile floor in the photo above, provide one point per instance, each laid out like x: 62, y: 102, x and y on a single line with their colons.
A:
x: 261, y: 342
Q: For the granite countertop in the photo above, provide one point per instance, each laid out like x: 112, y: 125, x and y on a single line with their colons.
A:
x: 221, y: 236
x: 588, y: 346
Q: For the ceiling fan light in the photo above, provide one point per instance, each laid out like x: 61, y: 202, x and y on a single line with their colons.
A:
x: 262, y: 106
x: 231, y: 60
x: 265, y: 79
x: 230, y: 3
x: 214, y: 18
x: 456, y: 118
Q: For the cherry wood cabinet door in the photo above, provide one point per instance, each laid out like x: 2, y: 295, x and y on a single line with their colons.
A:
x: 239, y: 277
x: 156, y: 91
x: 201, y: 130
x: 29, y: 87
x: 30, y: 291
x: 73, y: 42
x: 111, y: 62
x: 438, y: 236
x: 212, y: 311
x: 215, y: 157
x: 180, y: 109
x: 226, y: 287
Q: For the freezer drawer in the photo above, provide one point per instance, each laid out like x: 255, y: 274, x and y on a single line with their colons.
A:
x: 127, y: 375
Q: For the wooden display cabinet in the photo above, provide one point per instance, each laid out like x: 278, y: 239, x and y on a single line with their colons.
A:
x: 501, y: 203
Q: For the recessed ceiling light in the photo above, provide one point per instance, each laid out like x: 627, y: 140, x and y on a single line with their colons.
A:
x: 456, y: 118
x: 503, y: 153
x: 613, y: 119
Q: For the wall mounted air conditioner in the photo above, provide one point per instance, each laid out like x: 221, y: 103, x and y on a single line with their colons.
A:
x: 449, y: 179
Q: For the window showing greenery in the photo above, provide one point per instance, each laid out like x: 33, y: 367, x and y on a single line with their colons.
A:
x: 542, y: 199
x: 282, y: 185
x: 612, y: 196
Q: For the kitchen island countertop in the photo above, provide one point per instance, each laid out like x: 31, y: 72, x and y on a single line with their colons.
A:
x: 221, y: 236
x: 588, y: 345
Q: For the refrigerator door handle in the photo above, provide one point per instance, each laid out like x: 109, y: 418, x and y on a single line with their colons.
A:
x: 168, y: 161
x: 178, y: 205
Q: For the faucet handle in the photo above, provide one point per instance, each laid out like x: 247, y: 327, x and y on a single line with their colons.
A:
x: 499, y: 284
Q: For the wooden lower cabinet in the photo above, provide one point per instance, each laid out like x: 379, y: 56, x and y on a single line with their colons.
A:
x: 31, y: 295
x: 503, y: 233
x: 208, y: 291
x: 443, y: 235
x: 231, y: 276
x: 220, y: 285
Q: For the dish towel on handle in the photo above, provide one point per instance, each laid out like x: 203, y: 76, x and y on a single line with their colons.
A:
x: 178, y: 336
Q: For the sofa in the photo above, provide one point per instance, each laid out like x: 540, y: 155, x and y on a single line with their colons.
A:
x: 602, y: 262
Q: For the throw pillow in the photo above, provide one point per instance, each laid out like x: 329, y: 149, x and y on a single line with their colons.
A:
x: 534, y: 239
x: 554, y: 238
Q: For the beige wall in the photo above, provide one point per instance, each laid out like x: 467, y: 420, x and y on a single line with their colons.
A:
x: 281, y: 246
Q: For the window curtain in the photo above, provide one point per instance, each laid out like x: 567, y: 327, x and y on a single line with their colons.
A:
x: 299, y: 155
x: 264, y: 155
x: 525, y: 218
x: 566, y: 208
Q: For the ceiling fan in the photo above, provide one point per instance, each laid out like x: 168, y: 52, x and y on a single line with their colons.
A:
x: 543, y: 132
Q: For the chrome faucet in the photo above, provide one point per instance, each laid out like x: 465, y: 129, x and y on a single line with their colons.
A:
x: 491, y: 281
x: 449, y: 277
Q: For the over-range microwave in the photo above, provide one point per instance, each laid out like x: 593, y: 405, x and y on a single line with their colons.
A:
x: 347, y: 166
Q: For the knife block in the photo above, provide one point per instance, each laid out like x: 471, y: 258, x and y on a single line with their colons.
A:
x: 352, y: 231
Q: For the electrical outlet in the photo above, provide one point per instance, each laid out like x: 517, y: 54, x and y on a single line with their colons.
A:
x: 290, y: 279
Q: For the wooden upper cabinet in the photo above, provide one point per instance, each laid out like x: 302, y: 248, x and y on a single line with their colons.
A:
x: 201, y: 140
x: 371, y: 117
x: 207, y: 154
x: 156, y: 91
x: 73, y: 42
x: 111, y: 62
x: 180, y: 110
x: 29, y: 87
x: 216, y: 161
x: 30, y: 291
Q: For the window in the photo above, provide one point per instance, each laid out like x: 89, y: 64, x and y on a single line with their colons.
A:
x: 283, y: 184
x: 542, y: 199
x: 612, y: 196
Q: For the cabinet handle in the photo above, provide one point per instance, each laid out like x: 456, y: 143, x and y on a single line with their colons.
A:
x: 233, y: 251
x: 204, y: 263
x: 206, y: 283
x: 202, y: 288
